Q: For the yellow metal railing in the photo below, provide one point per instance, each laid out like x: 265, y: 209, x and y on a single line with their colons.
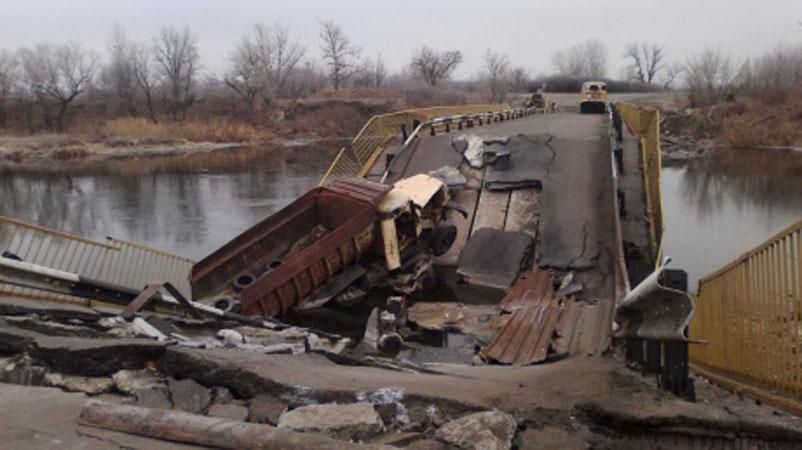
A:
x: 750, y: 315
x: 356, y: 160
x: 645, y: 124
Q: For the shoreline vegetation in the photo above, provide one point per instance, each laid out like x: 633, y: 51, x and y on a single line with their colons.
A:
x: 64, y: 106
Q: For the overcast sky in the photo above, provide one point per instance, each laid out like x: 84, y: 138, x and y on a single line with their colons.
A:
x: 528, y: 31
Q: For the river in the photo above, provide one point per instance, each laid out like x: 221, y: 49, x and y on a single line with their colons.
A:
x: 718, y: 209
x: 714, y: 211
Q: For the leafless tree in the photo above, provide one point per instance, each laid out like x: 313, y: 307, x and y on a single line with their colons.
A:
x: 176, y: 56
x: 496, y: 76
x: 338, y: 52
x: 646, y: 60
x: 379, y: 71
x: 117, y: 75
x: 145, y: 76
x: 670, y: 73
x: 708, y: 76
x: 8, y: 72
x: 584, y: 60
x: 55, y: 76
x: 262, y: 63
x: 519, y: 79
x: 433, y: 66
x: 364, y: 73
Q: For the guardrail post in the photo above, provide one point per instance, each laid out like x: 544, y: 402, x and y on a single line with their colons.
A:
x: 653, y: 357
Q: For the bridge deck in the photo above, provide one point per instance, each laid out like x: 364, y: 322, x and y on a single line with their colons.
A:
x: 571, y: 217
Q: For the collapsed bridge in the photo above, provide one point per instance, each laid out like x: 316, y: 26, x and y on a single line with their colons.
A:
x: 556, y: 217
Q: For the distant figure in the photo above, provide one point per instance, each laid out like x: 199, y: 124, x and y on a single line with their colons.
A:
x: 553, y: 107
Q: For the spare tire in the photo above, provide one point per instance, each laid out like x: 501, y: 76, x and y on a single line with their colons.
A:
x: 442, y: 238
x: 242, y: 281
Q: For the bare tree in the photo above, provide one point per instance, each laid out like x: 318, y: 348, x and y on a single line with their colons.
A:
x: 145, y: 76
x: 117, y: 75
x: 708, y: 76
x: 379, y: 71
x: 584, y: 60
x: 262, y: 63
x: 647, y: 60
x: 176, y: 56
x: 55, y: 76
x: 338, y: 52
x: 519, y: 79
x: 8, y: 72
x: 670, y: 73
x: 433, y: 66
x: 245, y: 77
x: 496, y: 76
x: 363, y: 73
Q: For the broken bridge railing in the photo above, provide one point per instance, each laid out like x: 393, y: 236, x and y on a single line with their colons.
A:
x: 113, y: 260
x: 644, y: 123
x: 355, y: 160
x: 749, y: 317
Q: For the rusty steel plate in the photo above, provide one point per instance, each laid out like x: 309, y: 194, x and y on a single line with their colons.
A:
x: 530, y: 288
x: 527, y: 335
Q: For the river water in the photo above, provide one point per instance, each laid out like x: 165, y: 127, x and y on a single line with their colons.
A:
x: 714, y: 211
x: 189, y: 213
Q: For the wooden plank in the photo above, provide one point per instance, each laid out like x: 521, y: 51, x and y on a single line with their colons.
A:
x: 491, y: 211
x: 523, y: 213
x: 467, y: 199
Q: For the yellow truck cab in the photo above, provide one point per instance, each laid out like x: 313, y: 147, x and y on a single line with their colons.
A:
x: 593, y: 98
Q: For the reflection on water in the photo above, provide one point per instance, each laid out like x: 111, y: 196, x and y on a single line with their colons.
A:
x: 717, y: 210
x: 189, y: 213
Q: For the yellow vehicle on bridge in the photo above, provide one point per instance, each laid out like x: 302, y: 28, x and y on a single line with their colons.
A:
x: 593, y: 98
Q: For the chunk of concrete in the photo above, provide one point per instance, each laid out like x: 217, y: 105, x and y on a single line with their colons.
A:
x: 188, y: 395
x: 356, y: 421
x: 132, y: 381
x: 229, y: 411
x: 155, y: 397
x: 22, y: 370
x: 87, y: 385
x: 221, y: 395
x: 265, y: 408
x: 490, y: 430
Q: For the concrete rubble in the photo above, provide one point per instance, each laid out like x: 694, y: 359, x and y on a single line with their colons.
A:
x: 491, y: 430
x: 355, y: 421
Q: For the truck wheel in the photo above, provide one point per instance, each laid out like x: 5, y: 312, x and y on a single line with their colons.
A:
x: 442, y: 238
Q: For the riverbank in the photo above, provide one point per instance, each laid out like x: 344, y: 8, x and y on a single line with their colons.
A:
x: 116, y: 144
x: 741, y: 122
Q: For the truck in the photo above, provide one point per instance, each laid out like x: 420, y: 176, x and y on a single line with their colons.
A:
x: 593, y: 98
x: 328, y: 239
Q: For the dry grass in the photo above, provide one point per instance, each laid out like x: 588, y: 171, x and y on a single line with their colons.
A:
x: 745, y: 121
x: 142, y: 130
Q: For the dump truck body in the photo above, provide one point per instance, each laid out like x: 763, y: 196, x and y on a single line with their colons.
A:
x: 309, y: 241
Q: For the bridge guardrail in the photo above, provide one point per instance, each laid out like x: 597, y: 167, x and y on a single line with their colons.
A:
x: 645, y: 124
x: 749, y: 314
x: 356, y: 159
x: 114, y: 261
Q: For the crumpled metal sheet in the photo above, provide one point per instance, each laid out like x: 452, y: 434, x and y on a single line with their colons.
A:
x: 494, y: 257
x: 654, y: 311
x: 528, y: 334
x: 526, y: 165
x: 529, y: 288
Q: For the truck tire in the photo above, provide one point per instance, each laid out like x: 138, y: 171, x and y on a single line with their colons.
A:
x: 442, y: 238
